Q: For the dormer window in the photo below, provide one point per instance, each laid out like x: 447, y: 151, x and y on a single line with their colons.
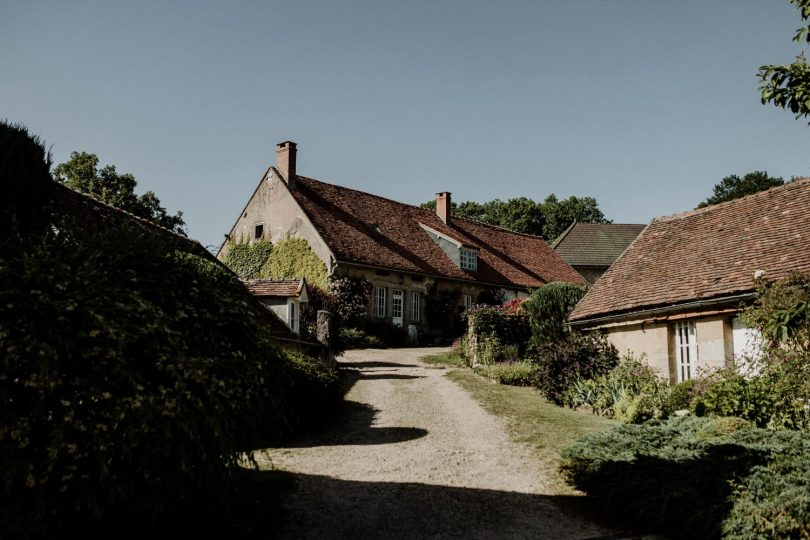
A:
x: 469, y: 259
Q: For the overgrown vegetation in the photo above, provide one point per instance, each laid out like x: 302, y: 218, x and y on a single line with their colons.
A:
x: 132, y: 380
x: 246, y: 259
x: 294, y: 258
x: 548, y: 308
x: 698, y: 478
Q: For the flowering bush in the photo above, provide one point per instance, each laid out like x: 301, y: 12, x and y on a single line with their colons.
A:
x: 350, y: 299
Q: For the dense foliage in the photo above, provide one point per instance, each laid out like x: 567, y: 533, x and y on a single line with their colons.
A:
x: 548, y: 309
x: 351, y: 300
x: 547, y: 219
x: 246, y: 259
x: 502, y: 324
x: 443, y: 312
x: 132, y: 380
x: 734, y: 187
x: 25, y: 180
x: 513, y: 373
x: 697, y: 478
x: 788, y: 85
x: 573, y: 357
x: 294, y: 258
x: 81, y: 172
x: 632, y: 392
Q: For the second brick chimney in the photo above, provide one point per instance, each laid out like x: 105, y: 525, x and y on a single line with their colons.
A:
x: 443, y: 206
x: 285, y: 161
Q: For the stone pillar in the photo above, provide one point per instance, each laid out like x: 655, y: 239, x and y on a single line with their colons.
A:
x: 324, y: 336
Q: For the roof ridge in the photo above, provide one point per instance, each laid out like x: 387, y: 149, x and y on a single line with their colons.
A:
x: 129, y: 214
x: 793, y: 184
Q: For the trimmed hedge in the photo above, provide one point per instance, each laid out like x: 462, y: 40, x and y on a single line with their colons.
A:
x: 698, y: 477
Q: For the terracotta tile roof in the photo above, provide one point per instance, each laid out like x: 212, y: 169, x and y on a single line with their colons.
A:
x: 707, y: 253
x: 595, y: 244
x: 285, y: 288
x: 366, y: 229
x: 91, y: 212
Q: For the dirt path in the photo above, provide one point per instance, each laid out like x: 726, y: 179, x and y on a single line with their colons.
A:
x: 416, y: 457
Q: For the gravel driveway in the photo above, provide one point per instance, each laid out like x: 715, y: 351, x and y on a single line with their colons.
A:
x: 414, y: 456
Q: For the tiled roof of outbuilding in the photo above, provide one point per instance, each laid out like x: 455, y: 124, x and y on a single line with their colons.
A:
x: 595, y: 244
x: 707, y: 253
x: 367, y: 229
x: 285, y: 288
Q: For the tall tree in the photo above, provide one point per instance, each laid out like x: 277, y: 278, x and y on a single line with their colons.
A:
x: 560, y: 214
x: 734, y: 187
x: 788, y: 86
x: 547, y: 219
x: 81, y: 172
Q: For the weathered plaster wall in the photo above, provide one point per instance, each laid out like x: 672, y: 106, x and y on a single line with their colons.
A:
x: 713, y: 343
x: 657, y: 340
x: 274, y: 206
x: 643, y: 339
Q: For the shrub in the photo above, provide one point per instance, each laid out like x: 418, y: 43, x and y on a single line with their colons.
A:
x: 575, y: 356
x: 781, y: 312
x: 548, y: 309
x: 25, y: 182
x: 681, y: 395
x: 358, y: 338
x: 294, y: 258
x: 350, y: 300
x: 507, y: 326
x: 131, y: 379
x: 443, y: 313
x: 633, y: 392
x: 677, y: 476
x: 511, y: 373
x: 246, y: 259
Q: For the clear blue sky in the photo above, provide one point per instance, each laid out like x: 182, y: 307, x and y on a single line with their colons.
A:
x: 643, y: 104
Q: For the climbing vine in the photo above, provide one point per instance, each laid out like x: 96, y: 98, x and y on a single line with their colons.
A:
x: 294, y: 258
x: 246, y: 259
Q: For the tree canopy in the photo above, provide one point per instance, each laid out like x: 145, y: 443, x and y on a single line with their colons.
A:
x: 788, y: 85
x: 81, y: 172
x: 547, y: 219
x: 734, y: 187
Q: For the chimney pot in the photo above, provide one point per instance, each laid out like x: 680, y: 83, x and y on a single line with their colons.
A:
x: 443, y: 206
x: 285, y: 161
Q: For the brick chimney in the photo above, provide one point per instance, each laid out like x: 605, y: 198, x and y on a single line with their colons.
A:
x: 285, y: 161
x: 443, y: 206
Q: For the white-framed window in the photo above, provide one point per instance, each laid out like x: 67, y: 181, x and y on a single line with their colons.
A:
x: 379, y: 302
x: 258, y: 231
x: 397, y: 306
x: 292, y: 316
x: 416, y: 306
x: 468, y: 301
x: 469, y: 259
x: 686, y: 354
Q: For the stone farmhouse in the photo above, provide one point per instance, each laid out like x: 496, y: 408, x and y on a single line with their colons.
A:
x: 407, y: 253
x: 592, y: 247
x: 676, y: 293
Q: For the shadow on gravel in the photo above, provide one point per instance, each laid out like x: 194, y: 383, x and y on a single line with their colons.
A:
x: 381, y: 376
x: 355, y: 423
x: 373, y: 364
x: 278, y: 504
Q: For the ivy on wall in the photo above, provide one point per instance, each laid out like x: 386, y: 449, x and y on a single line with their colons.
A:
x: 246, y: 259
x: 294, y: 258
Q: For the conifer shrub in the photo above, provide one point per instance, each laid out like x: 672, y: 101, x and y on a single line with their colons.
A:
x: 698, y: 477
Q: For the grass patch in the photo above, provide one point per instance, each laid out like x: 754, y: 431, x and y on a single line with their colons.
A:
x: 450, y: 359
x: 549, y: 429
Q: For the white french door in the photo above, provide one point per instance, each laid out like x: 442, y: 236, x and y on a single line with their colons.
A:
x: 685, y: 350
x: 397, y: 299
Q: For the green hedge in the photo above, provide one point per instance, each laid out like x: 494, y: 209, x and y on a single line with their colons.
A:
x: 698, y: 477
x: 132, y: 377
